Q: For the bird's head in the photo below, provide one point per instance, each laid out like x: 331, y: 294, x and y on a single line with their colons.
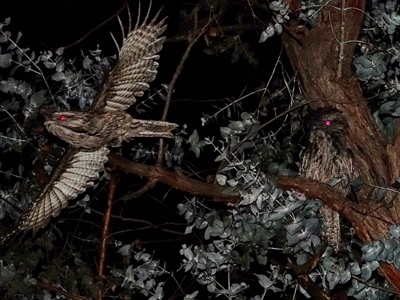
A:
x: 76, y: 121
x: 329, y: 120
x: 71, y: 127
x: 328, y: 123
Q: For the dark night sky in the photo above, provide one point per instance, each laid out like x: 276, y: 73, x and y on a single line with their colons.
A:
x: 49, y: 24
x: 59, y: 23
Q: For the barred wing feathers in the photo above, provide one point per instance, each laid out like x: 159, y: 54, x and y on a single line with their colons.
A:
x: 137, y: 66
x: 76, y: 171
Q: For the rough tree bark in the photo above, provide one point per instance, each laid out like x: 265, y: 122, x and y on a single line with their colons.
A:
x: 322, y: 56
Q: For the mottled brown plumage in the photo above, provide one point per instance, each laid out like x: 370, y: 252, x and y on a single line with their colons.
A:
x: 105, y: 124
x: 76, y: 171
x: 93, y: 130
x: 328, y: 160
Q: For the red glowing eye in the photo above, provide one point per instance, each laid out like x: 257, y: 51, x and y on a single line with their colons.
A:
x: 63, y: 117
x: 328, y: 122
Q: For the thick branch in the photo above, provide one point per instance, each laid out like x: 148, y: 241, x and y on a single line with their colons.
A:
x: 304, y: 279
x: 312, y: 288
x: 174, y: 179
x: 329, y: 195
x: 371, y: 222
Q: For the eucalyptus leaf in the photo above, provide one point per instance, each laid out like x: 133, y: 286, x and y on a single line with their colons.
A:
x: 5, y: 60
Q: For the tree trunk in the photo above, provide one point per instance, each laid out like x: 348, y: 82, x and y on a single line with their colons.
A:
x: 322, y: 56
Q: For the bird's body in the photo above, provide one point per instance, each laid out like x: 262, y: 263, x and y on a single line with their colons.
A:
x: 105, y: 124
x: 93, y: 130
x: 328, y: 160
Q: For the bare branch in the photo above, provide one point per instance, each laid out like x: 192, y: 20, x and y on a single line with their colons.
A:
x: 104, y: 235
x: 174, y: 179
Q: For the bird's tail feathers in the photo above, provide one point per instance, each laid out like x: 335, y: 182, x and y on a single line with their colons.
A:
x: 145, y: 128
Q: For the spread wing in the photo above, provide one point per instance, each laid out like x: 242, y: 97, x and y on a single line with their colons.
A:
x: 76, y: 171
x: 137, y: 66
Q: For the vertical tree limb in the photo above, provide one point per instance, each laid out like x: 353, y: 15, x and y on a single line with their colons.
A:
x: 323, y: 62
x: 112, y: 186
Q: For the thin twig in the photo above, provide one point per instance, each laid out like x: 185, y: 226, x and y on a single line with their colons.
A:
x: 59, y: 291
x: 20, y: 129
x: 375, y: 286
x: 135, y: 194
x: 130, y: 230
x: 341, y: 43
x: 34, y: 64
x: 140, y: 221
x: 252, y: 133
x: 192, y: 40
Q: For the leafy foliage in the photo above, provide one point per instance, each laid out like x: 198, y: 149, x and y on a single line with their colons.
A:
x: 378, y: 66
x: 245, y: 251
